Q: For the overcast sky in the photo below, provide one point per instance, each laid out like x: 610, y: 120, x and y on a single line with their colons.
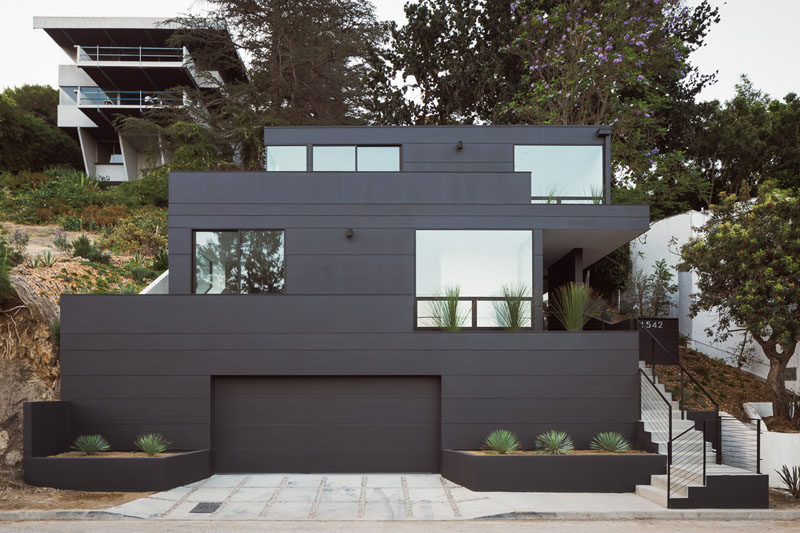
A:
x: 756, y: 37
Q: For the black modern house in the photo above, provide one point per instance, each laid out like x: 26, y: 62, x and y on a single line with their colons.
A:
x: 297, y: 333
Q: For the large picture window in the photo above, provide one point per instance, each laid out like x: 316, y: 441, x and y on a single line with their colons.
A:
x: 569, y: 173
x: 482, y: 264
x: 238, y: 262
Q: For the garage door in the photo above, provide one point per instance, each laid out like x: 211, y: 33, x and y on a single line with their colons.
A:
x: 326, y: 424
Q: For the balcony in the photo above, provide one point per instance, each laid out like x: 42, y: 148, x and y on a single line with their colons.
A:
x: 129, y: 54
x: 94, y: 97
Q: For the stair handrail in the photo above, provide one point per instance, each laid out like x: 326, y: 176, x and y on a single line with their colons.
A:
x: 684, y: 370
x: 669, y: 410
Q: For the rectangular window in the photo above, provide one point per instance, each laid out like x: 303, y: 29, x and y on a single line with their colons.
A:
x: 334, y: 158
x: 482, y: 264
x: 286, y: 158
x: 571, y: 173
x: 378, y: 158
x: 238, y: 262
x: 356, y: 158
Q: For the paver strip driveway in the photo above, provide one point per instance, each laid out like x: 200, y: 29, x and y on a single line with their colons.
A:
x: 349, y: 497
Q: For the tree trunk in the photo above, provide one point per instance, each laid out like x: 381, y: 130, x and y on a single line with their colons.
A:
x: 777, y: 369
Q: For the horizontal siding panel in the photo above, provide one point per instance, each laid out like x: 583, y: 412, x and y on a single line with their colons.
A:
x: 334, y: 274
x: 141, y: 411
x: 540, y: 410
x: 455, y: 166
x: 397, y: 362
x: 333, y: 241
x: 539, y: 386
x: 83, y: 386
x: 448, y: 153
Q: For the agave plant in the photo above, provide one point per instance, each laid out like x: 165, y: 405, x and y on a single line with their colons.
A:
x: 501, y: 441
x: 610, y: 442
x: 49, y: 259
x: 91, y: 444
x: 513, y: 311
x: 446, y: 315
x: 554, y: 443
x: 151, y: 443
x: 573, y: 305
x: 791, y: 478
x: 34, y: 262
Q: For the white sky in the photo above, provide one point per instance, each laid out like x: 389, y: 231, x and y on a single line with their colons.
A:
x: 756, y: 37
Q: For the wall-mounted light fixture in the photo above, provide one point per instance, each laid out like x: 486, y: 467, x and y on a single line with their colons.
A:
x: 349, y: 233
x: 460, y: 145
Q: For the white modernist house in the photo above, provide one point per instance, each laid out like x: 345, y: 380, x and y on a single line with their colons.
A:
x: 663, y: 241
x: 120, y: 66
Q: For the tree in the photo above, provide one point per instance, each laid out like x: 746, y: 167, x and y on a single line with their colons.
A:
x: 747, y: 259
x: 39, y: 100
x: 28, y: 142
x: 308, y: 62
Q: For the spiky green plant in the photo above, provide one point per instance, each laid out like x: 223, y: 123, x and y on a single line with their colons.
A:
x: 49, y: 259
x: 573, y: 305
x: 446, y: 315
x: 34, y: 262
x: 596, y: 194
x: 91, y: 444
x: 501, y: 441
x: 151, y: 443
x: 610, y: 442
x: 791, y: 478
x: 513, y: 311
x: 554, y: 442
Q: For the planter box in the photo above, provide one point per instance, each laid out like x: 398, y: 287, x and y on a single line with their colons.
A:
x: 118, y: 474
x: 552, y: 473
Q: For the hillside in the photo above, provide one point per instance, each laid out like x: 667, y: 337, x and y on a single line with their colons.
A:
x: 729, y: 386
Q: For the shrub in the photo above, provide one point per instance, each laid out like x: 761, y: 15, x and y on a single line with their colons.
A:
x: 35, y: 262
x: 445, y: 311
x: 139, y: 273
x: 61, y: 242
x: 610, y: 442
x: 83, y: 247
x: 91, y: 444
x: 161, y: 260
x: 145, y: 231
x: 501, y: 441
x: 573, y: 305
x: 48, y: 259
x: 513, y: 312
x: 6, y: 289
x: 791, y: 478
x: 55, y: 332
x: 19, y: 241
x: 554, y: 443
x: 151, y: 443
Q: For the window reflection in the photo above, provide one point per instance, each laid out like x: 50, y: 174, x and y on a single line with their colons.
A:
x: 286, y: 158
x: 378, y: 158
x: 238, y: 262
x: 562, y: 171
x: 334, y: 158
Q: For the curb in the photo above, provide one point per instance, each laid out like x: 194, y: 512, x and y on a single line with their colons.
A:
x: 692, y: 514
x: 60, y: 514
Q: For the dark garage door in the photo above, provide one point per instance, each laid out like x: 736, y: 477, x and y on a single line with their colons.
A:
x: 326, y: 424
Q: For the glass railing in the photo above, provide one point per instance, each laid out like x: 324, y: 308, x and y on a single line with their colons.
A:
x: 140, y: 54
x: 100, y: 97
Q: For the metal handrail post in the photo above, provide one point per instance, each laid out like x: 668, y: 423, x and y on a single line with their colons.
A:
x: 682, y: 405
x: 704, y: 451
x: 758, y: 446
x: 719, y: 439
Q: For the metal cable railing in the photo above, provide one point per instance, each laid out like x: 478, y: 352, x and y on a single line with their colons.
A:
x: 655, y: 410
x: 141, y: 54
x: 100, y: 97
x: 741, y: 443
x: 688, y: 465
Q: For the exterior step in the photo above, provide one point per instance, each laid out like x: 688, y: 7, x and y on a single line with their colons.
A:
x: 654, y: 494
x: 660, y: 482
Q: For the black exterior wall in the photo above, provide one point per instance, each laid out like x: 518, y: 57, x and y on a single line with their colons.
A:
x: 133, y: 364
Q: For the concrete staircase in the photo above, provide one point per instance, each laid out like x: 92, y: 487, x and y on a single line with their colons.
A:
x: 689, y: 489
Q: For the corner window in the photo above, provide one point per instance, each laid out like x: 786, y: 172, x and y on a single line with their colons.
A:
x: 286, y: 158
x: 484, y: 265
x: 238, y: 262
x: 356, y: 158
x: 569, y: 174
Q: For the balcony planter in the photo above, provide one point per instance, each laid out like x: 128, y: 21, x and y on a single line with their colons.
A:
x: 118, y: 474
x: 586, y: 472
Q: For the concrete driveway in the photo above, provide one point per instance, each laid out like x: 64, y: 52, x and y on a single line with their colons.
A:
x: 355, y: 497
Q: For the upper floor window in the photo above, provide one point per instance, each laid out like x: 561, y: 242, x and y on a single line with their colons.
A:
x: 356, y: 158
x: 286, y: 158
x: 569, y: 174
x: 238, y: 262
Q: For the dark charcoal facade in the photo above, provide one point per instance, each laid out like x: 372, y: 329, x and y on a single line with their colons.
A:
x: 334, y: 372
